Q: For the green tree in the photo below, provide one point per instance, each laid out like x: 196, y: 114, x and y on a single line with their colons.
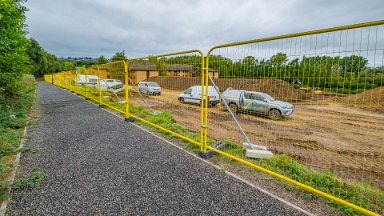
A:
x: 14, y: 61
x: 249, y: 66
x: 161, y: 66
x: 279, y: 59
x: 102, y: 60
x: 353, y: 64
x: 68, y: 65
x: 42, y: 61
x: 119, y: 56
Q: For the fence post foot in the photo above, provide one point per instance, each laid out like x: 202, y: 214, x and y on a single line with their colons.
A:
x: 219, y: 145
x: 207, y: 154
x: 129, y: 119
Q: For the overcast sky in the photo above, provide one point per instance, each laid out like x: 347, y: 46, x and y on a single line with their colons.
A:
x: 102, y: 27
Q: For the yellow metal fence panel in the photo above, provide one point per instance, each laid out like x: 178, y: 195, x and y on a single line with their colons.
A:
x: 315, y: 100
x: 111, y: 88
x: 48, y: 78
x: 166, y: 90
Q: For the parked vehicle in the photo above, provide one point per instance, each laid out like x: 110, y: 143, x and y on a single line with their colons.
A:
x: 106, y: 84
x: 90, y: 80
x: 149, y: 88
x: 257, y: 102
x: 193, y: 95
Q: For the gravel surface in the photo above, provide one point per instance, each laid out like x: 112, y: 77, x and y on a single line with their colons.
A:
x: 96, y: 164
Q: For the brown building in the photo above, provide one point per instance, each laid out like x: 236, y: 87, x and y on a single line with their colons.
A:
x: 138, y: 72
x: 213, y: 73
x: 179, y: 70
x: 186, y: 71
x: 106, y: 73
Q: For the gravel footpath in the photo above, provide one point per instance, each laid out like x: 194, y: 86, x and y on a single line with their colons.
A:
x: 96, y: 164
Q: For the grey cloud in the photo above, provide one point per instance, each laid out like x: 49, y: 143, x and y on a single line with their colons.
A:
x: 94, y: 28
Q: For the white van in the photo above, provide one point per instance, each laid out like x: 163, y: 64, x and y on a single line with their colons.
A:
x: 90, y: 80
x: 193, y: 95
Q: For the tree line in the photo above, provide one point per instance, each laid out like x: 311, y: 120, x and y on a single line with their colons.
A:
x: 347, y: 74
x: 44, y: 62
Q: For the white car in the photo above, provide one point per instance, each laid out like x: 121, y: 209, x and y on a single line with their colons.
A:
x: 112, y: 85
x: 106, y: 83
x: 149, y: 88
x: 256, y: 102
x: 193, y: 95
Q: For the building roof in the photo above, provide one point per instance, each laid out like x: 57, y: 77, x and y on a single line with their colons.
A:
x: 135, y: 66
x: 178, y: 67
x: 211, y: 70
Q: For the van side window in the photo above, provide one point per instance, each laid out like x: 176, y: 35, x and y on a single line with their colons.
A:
x: 189, y: 91
x: 259, y: 97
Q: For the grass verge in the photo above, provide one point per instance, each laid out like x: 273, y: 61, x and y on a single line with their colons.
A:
x: 13, y: 119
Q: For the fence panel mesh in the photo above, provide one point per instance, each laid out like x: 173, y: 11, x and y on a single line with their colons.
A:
x: 315, y: 101
x: 166, y: 91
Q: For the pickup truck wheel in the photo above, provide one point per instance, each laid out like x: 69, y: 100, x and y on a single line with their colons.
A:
x: 233, y: 107
x: 274, y: 114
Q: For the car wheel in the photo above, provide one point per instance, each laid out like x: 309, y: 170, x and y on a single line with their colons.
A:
x: 233, y: 107
x: 274, y: 114
x: 181, y: 100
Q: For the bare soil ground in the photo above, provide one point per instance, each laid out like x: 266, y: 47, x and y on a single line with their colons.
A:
x: 322, y: 134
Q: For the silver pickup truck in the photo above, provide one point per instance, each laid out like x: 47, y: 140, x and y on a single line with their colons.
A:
x: 256, y: 102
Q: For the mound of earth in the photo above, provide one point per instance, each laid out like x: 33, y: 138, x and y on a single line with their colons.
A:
x: 373, y: 98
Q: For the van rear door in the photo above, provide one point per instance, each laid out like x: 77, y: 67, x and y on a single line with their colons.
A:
x: 213, y: 95
x: 196, y: 95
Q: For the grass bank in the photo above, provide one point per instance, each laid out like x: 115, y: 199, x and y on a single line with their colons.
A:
x: 13, y: 119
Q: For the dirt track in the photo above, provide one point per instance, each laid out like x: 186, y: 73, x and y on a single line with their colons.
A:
x: 321, y: 134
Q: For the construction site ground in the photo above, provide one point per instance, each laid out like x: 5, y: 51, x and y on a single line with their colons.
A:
x: 322, y: 134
